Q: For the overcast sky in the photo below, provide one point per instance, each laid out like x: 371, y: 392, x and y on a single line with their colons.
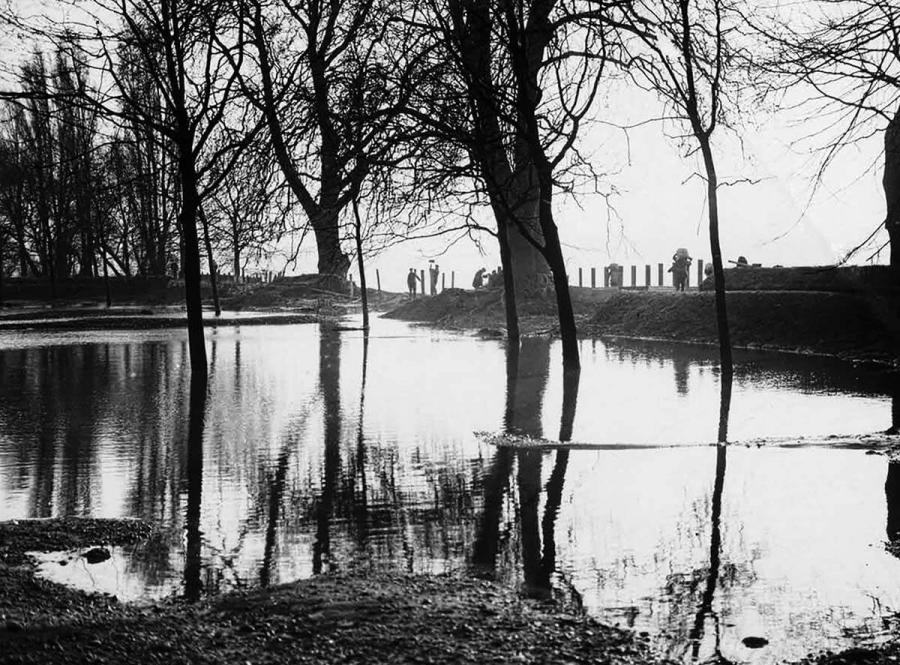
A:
x: 660, y: 205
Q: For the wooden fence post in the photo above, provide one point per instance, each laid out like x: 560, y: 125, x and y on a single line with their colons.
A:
x: 699, y: 273
x: 579, y: 278
x: 647, y: 276
x: 633, y: 276
x: 378, y: 279
x: 452, y: 279
x: 593, y: 278
x: 422, y: 272
x: 659, y: 267
x: 606, y: 277
x: 443, y: 280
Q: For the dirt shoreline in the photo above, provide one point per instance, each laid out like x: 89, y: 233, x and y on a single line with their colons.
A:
x: 849, y: 326
x: 339, y: 618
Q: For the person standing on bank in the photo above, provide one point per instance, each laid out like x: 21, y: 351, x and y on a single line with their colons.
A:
x: 433, y: 271
x: 681, y: 265
x: 478, y: 282
x: 411, y: 280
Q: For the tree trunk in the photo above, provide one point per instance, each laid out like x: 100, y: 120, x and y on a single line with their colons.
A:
x: 725, y: 358
x: 509, y: 282
x: 103, y: 258
x: 891, y: 183
x: 2, y: 242
x: 213, y: 280
x: 187, y: 218
x: 362, y: 269
x: 332, y: 261
x: 236, y: 251
x: 567, y: 329
x: 529, y: 268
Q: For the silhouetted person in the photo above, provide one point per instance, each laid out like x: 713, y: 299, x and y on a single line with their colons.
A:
x: 681, y: 264
x: 433, y: 271
x: 478, y: 281
x: 411, y: 280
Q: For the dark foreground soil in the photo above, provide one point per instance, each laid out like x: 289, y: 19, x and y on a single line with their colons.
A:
x: 329, y: 619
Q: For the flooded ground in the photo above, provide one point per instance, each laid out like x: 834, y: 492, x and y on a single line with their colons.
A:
x: 315, y: 452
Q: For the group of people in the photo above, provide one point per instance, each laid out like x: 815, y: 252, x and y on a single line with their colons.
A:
x: 413, y: 279
x: 482, y: 280
x: 681, y: 265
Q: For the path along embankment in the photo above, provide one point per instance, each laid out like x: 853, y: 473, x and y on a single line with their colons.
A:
x: 849, y: 313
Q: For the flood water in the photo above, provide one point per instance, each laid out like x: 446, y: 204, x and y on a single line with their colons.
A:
x: 313, y: 451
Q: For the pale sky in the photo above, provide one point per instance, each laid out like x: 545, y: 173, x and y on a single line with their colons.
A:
x: 660, y: 207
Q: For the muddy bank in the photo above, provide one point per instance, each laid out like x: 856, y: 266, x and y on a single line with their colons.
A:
x: 329, y: 619
x: 303, y: 292
x: 848, y: 279
x: 852, y: 326
x: 68, y: 320
x: 845, y: 325
x: 483, y: 309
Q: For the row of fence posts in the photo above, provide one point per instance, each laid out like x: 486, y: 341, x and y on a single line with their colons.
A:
x: 613, y: 276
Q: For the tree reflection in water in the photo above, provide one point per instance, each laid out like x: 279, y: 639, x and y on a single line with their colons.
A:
x: 193, y: 586
x: 361, y: 501
x: 715, y: 542
x: 527, y: 369
x: 557, y: 477
x: 526, y: 378
x: 329, y: 387
x: 892, y: 482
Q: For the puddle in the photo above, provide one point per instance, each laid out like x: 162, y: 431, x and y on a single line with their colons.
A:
x: 299, y: 464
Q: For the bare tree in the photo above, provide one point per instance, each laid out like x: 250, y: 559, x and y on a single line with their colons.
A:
x: 307, y: 58
x: 518, y: 87
x: 841, y: 59
x: 685, y: 58
x: 187, y: 49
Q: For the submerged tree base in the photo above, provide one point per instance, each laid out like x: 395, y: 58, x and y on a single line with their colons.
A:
x: 368, y: 618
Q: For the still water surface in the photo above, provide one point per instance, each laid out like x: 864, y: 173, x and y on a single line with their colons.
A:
x: 316, y: 452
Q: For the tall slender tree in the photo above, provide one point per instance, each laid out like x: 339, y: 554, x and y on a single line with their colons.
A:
x: 686, y: 57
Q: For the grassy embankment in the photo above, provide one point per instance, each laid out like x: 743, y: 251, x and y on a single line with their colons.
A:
x: 850, y: 313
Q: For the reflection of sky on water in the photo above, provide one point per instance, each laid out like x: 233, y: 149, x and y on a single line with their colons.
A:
x: 294, y: 484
